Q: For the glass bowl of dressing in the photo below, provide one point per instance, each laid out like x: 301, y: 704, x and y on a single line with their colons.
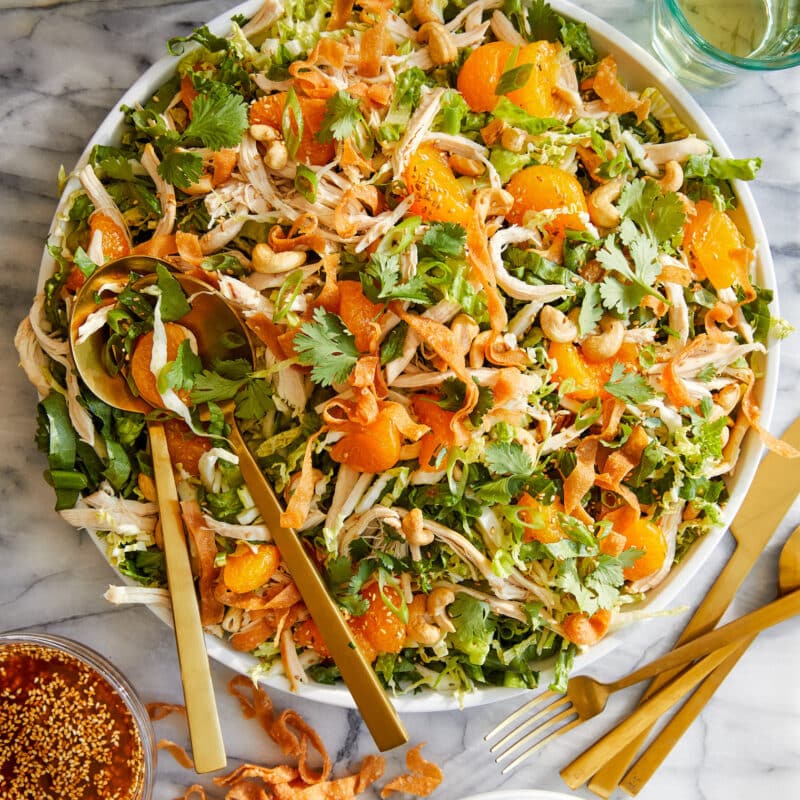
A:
x: 71, y: 726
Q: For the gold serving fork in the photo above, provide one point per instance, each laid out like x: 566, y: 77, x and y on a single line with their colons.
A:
x: 586, y: 697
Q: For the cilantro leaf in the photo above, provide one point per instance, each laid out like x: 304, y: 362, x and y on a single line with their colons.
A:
x: 658, y: 214
x: 174, y: 305
x: 211, y: 387
x: 342, y: 117
x: 181, y: 168
x: 544, y: 22
x: 392, y: 346
x: 445, y: 239
x: 254, y: 400
x: 328, y: 347
x: 218, y: 119
x: 454, y: 392
x: 381, y: 281
x: 508, y: 458
x: 591, y: 309
x: 474, y: 627
x: 629, y: 386
x: 179, y: 374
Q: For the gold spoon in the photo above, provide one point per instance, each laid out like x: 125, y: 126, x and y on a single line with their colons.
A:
x: 208, y: 749
x: 212, y: 320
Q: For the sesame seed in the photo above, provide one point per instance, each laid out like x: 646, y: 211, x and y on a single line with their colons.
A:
x: 65, y: 733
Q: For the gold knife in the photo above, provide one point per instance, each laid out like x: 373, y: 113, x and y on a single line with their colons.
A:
x: 771, y: 494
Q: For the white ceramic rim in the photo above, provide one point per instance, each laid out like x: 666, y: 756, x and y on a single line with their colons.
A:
x: 638, y: 69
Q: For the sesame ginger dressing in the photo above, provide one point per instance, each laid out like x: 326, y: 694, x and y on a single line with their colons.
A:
x: 65, y: 733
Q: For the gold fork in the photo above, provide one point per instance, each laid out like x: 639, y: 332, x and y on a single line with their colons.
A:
x: 586, y: 697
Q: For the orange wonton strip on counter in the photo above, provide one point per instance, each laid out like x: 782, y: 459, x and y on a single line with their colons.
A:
x: 157, y: 711
x: 340, y: 789
x: 300, y: 501
x: 204, y: 547
x: 177, y: 752
x: 616, y: 97
x: 269, y: 775
x: 296, y: 746
x: 424, y: 777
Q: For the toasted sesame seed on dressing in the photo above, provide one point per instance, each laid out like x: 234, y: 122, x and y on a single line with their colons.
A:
x: 65, y: 733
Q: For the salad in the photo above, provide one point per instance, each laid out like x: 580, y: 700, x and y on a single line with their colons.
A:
x: 507, y: 335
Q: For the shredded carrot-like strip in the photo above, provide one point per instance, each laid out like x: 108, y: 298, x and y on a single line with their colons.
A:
x: 300, y: 501
x: 352, y: 157
x: 581, y: 479
x: 311, y: 81
x: 328, y: 298
x: 340, y: 14
x: 159, y: 246
x: 627, y: 457
x: 269, y: 775
x: 267, y: 332
x: 302, y: 235
x: 720, y: 312
x: 354, y: 201
x: 294, y: 736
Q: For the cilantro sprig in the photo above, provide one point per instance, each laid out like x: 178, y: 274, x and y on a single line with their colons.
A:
x: 327, y: 347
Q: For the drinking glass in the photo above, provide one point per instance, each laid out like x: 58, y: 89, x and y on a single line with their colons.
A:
x: 712, y: 42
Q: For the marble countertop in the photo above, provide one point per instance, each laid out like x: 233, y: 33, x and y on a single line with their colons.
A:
x: 63, y: 65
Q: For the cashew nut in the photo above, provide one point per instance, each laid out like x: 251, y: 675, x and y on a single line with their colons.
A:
x: 415, y: 533
x: 672, y: 179
x: 477, y: 352
x: 201, y: 186
x: 441, y: 45
x: 437, y: 602
x: 423, y: 632
x: 266, y: 260
x: 462, y: 165
x: 425, y: 11
x: 600, y: 204
x: 276, y: 156
x: 264, y: 133
x: 602, y: 346
x: 556, y: 326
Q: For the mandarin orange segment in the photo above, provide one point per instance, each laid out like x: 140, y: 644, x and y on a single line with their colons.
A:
x: 541, y: 522
x: 308, y: 634
x: 439, y: 420
x: 481, y: 72
x: 115, y: 240
x: 588, y: 380
x: 382, y: 628
x: 439, y: 197
x: 641, y: 534
x: 369, y: 448
x: 542, y: 188
x: 247, y: 570
x: 358, y: 313
x: 185, y: 446
x: 712, y: 239
x: 143, y: 378
x: 268, y: 110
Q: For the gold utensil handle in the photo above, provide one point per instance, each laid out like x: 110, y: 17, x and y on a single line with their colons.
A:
x: 641, y: 772
x: 208, y: 749
x: 770, y: 496
x: 380, y: 716
x: 586, y: 764
x: 743, y: 627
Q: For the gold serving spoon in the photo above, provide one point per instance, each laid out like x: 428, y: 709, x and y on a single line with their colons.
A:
x: 208, y: 748
x: 213, y: 321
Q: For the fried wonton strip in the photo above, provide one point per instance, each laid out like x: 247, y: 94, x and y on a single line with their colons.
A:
x: 616, y: 97
x: 296, y: 746
x: 301, y: 236
x: 269, y: 775
x: 259, y: 706
x: 581, y: 479
x: 189, y: 249
x: 204, y: 546
x: 177, y: 752
x: 253, y: 635
x: 195, y: 792
x: 720, y: 312
x: 157, y: 711
x: 403, y: 422
x: 340, y: 14
x: 340, y: 789
x: 300, y: 502
x: 328, y: 297
x: 285, y: 597
x: 267, y: 332
x: 628, y: 457
x: 752, y: 412
x: 244, y: 790
x: 352, y: 205
x: 223, y: 162
x: 424, y: 777
x: 443, y: 342
x: 160, y: 245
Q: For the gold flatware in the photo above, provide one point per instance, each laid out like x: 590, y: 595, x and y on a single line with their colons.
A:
x: 587, y: 697
x: 208, y: 748
x: 214, y: 323
x: 771, y: 494
x: 641, y: 772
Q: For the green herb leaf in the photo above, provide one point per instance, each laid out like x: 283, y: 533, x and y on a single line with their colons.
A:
x: 514, y: 76
x: 380, y: 280
x: 591, y: 310
x: 658, y: 214
x: 508, y: 458
x: 181, y: 168
x: 328, y: 347
x: 474, y: 627
x: 179, y: 374
x: 218, y: 119
x: 292, y: 123
x: 342, y: 117
x: 445, y: 239
x: 174, y: 305
x: 629, y: 386
x: 392, y: 346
